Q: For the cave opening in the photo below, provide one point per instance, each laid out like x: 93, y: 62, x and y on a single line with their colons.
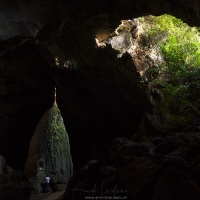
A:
x: 166, y: 53
x: 95, y: 84
x: 104, y: 89
x: 95, y: 90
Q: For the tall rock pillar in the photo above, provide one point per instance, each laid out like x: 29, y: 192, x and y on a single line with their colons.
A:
x: 50, y: 142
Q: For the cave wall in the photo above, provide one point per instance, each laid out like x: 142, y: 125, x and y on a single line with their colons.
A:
x: 99, y: 95
x: 25, y: 93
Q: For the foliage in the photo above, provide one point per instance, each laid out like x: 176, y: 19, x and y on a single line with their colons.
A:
x: 180, y: 47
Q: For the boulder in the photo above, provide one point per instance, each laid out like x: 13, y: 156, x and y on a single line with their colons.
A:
x: 190, y: 148
x: 14, y: 186
x: 151, y: 126
x: 176, y: 184
x: 139, y: 176
x: 166, y: 173
x: 3, y: 165
x: 122, y: 147
x: 168, y: 145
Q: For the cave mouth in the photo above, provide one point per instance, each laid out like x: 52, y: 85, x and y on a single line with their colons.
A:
x: 166, y: 53
x: 157, y: 55
x: 100, y: 94
x: 110, y: 83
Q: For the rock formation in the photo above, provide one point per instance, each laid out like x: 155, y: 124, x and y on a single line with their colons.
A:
x: 98, y: 93
x: 160, y: 168
x: 14, y: 186
x: 50, y: 144
x: 107, y: 94
x: 3, y: 165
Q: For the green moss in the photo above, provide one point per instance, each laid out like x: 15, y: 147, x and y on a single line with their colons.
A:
x: 50, y: 142
x: 179, y: 77
x: 35, y: 185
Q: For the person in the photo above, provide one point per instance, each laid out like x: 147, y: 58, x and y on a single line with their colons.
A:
x: 46, y: 184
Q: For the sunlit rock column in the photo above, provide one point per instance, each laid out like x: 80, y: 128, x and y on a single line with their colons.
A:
x: 50, y: 143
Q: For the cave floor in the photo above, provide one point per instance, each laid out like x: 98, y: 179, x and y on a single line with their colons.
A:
x: 52, y: 196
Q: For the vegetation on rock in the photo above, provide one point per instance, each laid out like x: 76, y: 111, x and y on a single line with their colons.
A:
x: 50, y: 142
x: 166, y: 52
x: 180, y: 47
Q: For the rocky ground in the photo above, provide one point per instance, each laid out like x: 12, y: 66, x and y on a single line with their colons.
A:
x: 150, y: 167
x: 153, y: 169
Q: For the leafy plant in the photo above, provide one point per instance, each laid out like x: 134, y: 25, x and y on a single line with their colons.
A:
x: 180, y: 47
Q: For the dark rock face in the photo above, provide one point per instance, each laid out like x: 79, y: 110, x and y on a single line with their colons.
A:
x: 43, y: 44
x: 139, y: 187
x: 97, y: 180
x: 3, y: 165
x: 168, y: 145
x: 50, y: 142
x: 25, y: 93
x: 152, y: 126
x: 149, y: 175
x: 176, y: 184
x: 122, y: 147
x: 14, y: 186
x: 102, y: 94
x: 98, y: 93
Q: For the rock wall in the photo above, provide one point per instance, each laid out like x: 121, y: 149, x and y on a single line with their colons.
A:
x: 29, y: 29
x: 158, y: 168
x: 25, y: 93
x: 3, y: 165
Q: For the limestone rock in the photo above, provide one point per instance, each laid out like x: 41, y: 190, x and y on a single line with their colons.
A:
x: 3, y: 165
x: 122, y: 147
x: 50, y: 143
x: 10, y: 169
x: 170, y: 170
x: 152, y: 126
x: 14, y: 186
x: 139, y: 175
x: 168, y: 145
x: 176, y: 184
x: 4, y: 168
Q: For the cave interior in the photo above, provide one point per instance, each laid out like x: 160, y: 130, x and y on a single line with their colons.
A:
x: 100, y: 96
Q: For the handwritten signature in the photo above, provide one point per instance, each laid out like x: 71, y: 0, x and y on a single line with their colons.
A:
x: 103, y: 191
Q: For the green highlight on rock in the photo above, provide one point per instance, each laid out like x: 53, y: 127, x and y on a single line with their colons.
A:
x: 180, y: 47
x: 50, y: 143
x: 166, y: 53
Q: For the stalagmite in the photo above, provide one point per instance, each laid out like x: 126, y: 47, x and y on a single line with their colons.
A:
x: 50, y: 143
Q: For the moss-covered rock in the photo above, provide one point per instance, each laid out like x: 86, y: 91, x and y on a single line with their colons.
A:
x: 50, y: 143
x: 35, y: 185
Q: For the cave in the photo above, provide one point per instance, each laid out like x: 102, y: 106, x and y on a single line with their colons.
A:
x: 101, y: 96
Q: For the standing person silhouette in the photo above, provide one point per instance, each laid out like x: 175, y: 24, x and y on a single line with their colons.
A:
x: 46, y: 184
